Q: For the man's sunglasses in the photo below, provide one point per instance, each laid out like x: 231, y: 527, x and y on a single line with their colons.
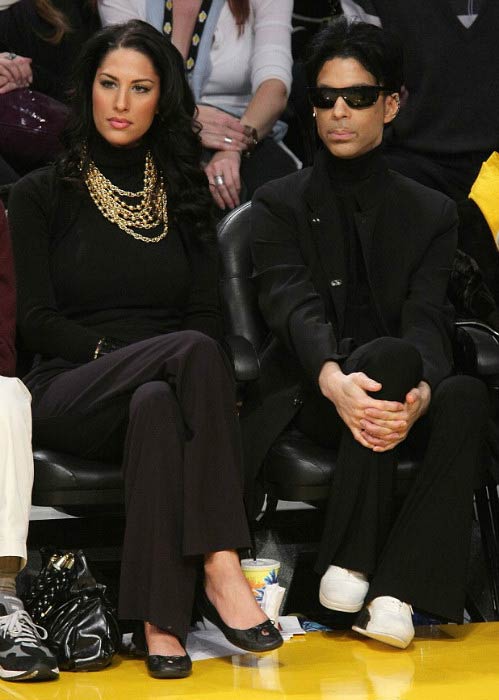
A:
x: 356, y: 96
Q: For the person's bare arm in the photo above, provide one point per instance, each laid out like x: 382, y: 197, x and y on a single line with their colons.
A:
x: 265, y: 107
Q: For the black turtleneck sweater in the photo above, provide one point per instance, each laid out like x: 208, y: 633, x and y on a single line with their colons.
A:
x: 347, y: 177
x: 80, y: 277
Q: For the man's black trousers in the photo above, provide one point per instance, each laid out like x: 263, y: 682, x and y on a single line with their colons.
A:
x: 418, y: 555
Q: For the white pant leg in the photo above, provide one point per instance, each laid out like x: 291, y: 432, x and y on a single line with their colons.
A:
x: 16, y: 467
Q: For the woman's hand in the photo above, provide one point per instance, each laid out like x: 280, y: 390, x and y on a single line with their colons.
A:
x: 223, y: 175
x: 222, y: 131
x: 349, y: 394
x: 14, y: 72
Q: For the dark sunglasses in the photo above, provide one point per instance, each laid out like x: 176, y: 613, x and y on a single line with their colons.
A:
x: 356, y: 96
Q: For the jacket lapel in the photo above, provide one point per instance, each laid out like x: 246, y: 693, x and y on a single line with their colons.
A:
x: 327, y: 236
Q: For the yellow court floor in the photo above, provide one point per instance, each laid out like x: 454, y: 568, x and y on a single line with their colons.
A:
x: 458, y: 662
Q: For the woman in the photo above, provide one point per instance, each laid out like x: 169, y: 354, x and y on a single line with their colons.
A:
x: 117, y: 273
x: 237, y: 55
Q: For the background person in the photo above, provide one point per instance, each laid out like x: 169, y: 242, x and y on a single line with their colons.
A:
x: 45, y: 37
x: 237, y: 55
x: 23, y: 655
x: 441, y: 136
x: 118, y: 294
x: 39, y: 41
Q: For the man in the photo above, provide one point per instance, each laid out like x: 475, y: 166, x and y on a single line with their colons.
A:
x: 449, y: 123
x: 23, y: 655
x: 352, y: 263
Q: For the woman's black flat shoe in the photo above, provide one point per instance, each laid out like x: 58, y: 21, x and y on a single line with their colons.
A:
x: 169, y: 666
x: 262, y: 637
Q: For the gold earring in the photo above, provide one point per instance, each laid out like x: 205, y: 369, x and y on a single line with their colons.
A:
x: 397, y: 100
x: 314, y: 114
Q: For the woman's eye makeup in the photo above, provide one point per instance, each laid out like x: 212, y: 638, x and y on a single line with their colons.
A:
x: 105, y: 83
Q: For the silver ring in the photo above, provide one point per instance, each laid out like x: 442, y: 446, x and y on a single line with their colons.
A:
x: 227, y: 139
x: 219, y: 180
x: 11, y: 56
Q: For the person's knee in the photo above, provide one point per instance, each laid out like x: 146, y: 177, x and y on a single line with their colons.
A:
x: 204, y: 353
x: 199, y: 342
x: 393, y: 362
x: 392, y: 352
x: 155, y: 399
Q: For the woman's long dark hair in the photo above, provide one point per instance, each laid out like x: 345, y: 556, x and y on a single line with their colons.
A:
x: 173, y: 137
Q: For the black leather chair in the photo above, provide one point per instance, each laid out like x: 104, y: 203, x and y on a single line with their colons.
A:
x: 70, y: 483
x: 295, y: 468
x: 477, y: 350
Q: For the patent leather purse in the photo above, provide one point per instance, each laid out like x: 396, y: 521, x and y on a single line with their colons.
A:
x: 30, y: 126
x: 67, y: 601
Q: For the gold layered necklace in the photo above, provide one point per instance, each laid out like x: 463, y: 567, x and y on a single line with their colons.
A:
x: 115, y: 205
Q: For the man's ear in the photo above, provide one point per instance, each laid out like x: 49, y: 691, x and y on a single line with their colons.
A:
x: 392, y: 106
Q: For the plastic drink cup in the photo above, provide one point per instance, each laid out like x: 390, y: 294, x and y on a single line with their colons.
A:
x: 260, y: 573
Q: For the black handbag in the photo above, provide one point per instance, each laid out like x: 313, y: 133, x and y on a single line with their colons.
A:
x: 67, y: 601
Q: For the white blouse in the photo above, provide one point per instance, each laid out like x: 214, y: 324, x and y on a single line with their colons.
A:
x: 239, y: 63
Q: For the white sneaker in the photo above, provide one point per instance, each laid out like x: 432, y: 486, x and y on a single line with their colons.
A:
x: 343, y: 589
x: 388, y: 620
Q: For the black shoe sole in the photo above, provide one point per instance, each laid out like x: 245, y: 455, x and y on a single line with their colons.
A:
x: 36, y: 673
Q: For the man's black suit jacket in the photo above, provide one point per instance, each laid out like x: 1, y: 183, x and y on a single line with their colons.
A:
x: 408, y: 237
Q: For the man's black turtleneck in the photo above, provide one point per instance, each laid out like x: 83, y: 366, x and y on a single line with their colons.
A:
x: 80, y: 277
x: 347, y: 177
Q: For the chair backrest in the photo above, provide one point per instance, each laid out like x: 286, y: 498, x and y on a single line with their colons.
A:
x: 238, y: 290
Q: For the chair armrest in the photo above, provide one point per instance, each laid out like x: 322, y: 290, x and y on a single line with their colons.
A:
x: 244, y: 358
x: 477, y: 349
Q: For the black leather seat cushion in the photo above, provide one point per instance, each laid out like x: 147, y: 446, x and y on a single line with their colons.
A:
x: 298, y: 469
x: 62, y: 479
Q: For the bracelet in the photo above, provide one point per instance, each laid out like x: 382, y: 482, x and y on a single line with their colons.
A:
x: 254, y: 142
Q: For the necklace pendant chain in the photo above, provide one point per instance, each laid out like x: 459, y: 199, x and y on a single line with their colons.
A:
x: 148, y: 212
